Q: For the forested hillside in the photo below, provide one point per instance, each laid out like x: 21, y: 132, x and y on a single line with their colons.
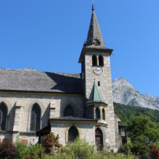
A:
x: 124, y: 112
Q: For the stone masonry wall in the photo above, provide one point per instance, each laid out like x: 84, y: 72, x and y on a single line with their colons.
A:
x: 19, y: 119
x: 86, y: 131
x: 105, y: 89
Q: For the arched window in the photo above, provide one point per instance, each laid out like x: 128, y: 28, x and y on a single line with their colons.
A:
x: 94, y: 60
x: 35, y: 118
x: 72, y: 134
x: 68, y: 111
x: 3, y: 116
x: 103, y: 112
x: 101, y: 62
x: 97, y: 113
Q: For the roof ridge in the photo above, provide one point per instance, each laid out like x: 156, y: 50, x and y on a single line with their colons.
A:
x: 23, y: 70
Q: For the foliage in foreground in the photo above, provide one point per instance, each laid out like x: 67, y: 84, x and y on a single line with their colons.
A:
x: 8, y: 150
x: 52, y: 144
x: 79, y: 149
x: 135, y: 148
x: 82, y: 150
x: 28, y: 152
x: 154, y: 152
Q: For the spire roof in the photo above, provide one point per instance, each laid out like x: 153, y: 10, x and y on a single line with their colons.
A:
x: 95, y: 95
x: 94, y: 37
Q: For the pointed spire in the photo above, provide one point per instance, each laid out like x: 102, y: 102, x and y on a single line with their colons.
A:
x: 95, y: 95
x: 94, y: 37
x: 93, y: 7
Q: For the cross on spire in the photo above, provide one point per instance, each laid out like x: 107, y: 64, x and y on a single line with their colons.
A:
x: 92, y: 5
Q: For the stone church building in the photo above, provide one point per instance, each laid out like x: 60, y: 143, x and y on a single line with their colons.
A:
x: 34, y: 103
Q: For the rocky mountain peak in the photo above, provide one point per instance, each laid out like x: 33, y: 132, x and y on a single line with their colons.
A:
x: 122, y: 82
x: 125, y: 93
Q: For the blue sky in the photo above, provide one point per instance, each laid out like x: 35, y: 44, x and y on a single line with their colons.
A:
x: 48, y: 35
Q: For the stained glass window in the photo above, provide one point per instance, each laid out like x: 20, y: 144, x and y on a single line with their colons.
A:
x: 97, y: 113
x: 94, y: 60
x: 103, y: 112
x: 35, y: 118
x: 72, y: 134
x: 3, y: 116
x: 68, y: 111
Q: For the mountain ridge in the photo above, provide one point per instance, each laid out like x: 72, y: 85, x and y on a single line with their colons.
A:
x: 125, y: 93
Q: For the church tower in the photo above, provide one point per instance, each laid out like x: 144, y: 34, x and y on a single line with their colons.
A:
x: 97, y: 83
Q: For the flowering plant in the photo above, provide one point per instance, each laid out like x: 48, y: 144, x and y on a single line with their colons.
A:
x: 51, y: 143
x: 154, y: 152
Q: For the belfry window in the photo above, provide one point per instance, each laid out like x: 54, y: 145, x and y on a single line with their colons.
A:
x: 97, y: 113
x: 3, y: 116
x: 72, y: 134
x: 103, y: 112
x: 68, y: 111
x: 101, y: 62
x: 35, y: 118
x: 94, y: 60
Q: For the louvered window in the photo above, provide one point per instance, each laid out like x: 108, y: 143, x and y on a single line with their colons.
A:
x: 68, y: 111
x: 0, y: 117
x: 3, y: 116
x: 94, y: 60
x: 101, y: 62
x: 72, y: 134
x: 97, y: 113
x: 103, y: 112
x: 35, y: 118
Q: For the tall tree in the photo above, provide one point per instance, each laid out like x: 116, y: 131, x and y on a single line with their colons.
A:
x: 142, y: 129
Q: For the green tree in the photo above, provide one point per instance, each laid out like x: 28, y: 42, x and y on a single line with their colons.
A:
x: 142, y: 130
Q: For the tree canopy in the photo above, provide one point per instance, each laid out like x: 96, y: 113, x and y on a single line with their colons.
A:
x: 125, y: 111
x: 142, y: 129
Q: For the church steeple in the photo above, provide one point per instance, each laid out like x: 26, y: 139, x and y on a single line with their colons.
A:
x: 94, y: 37
x: 94, y: 40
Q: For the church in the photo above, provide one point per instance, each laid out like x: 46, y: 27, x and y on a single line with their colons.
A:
x: 33, y: 103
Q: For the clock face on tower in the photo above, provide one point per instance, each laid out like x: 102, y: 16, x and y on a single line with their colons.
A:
x: 97, y: 70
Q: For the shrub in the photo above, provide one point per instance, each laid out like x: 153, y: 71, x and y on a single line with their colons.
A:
x: 28, y: 152
x: 34, y: 151
x: 82, y: 150
x: 21, y: 148
x: 79, y: 148
x: 52, y: 144
x: 126, y: 148
x: 137, y: 148
x: 8, y: 150
x: 154, y: 152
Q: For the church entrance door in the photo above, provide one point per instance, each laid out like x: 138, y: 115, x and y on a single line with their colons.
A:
x: 99, y: 139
